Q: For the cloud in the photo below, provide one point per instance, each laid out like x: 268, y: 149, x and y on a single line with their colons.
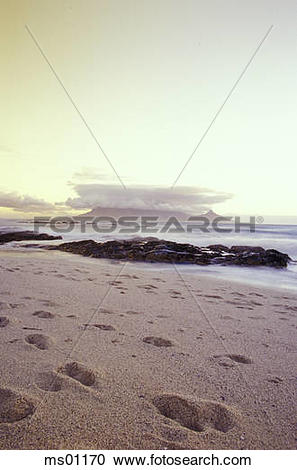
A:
x: 111, y: 196
x: 186, y: 199
x: 15, y: 201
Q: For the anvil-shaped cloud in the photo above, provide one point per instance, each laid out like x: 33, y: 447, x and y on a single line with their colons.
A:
x: 110, y: 196
x: 185, y: 199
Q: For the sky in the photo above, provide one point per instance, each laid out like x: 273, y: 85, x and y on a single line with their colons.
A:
x: 148, y: 77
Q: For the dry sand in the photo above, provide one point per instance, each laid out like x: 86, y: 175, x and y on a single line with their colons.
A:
x: 108, y: 355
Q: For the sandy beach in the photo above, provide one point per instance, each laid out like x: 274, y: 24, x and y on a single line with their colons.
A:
x: 108, y: 355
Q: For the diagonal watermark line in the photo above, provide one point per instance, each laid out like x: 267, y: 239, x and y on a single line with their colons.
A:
x: 223, y: 104
x: 222, y: 342
x: 74, y: 104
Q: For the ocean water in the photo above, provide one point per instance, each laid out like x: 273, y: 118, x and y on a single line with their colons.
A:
x: 279, y: 237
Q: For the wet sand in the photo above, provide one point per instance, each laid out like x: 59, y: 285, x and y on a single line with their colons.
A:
x: 108, y: 355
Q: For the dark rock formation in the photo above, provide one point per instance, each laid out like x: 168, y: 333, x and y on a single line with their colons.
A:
x: 163, y: 251
x: 247, y: 249
x: 26, y: 235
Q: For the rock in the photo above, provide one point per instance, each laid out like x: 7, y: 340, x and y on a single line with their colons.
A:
x: 277, y: 259
x: 218, y: 248
x: 162, y: 251
x: 26, y: 235
x: 247, y: 249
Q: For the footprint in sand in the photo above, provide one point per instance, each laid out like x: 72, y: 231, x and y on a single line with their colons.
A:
x: 244, y: 308
x: 49, y: 303
x: 115, y: 283
x: 81, y: 271
x: 292, y: 308
x: 39, y: 341
x: 213, y: 296
x: 128, y: 276
x: 4, y: 306
x: 13, y: 406
x: 224, y: 359
x: 80, y: 372
x: 226, y: 363
x: 148, y: 288
x: 100, y: 326
x: 197, y: 416
x: 158, y: 279
x: 174, y: 294
x: 43, y: 314
x: 275, y: 380
x: 157, y: 341
x: 17, y: 305
x: 31, y: 328
x: 238, y: 293
x: 3, y: 322
x: 228, y: 317
x: 257, y: 318
x: 49, y: 382
x: 240, y: 358
x: 105, y: 310
x: 285, y: 313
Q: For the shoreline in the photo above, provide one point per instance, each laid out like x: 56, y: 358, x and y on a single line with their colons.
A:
x: 246, y: 264
x: 155, y: 346
x: 252, y: 273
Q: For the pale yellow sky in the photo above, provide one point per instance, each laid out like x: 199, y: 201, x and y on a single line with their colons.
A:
x: 149, y: 76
